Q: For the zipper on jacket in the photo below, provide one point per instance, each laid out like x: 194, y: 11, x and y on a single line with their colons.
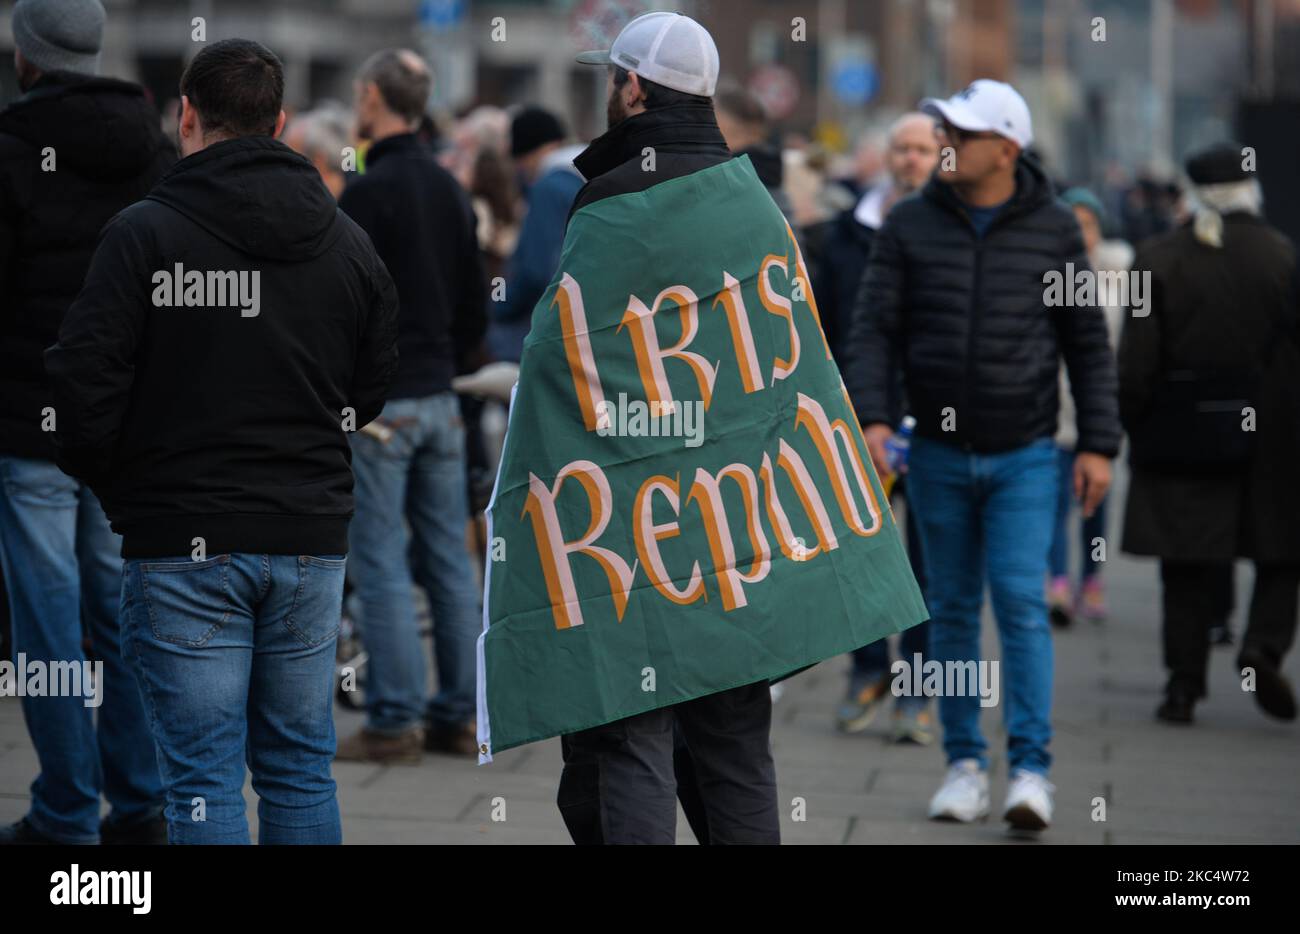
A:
x: 959, y: 208
x: 967, y: 389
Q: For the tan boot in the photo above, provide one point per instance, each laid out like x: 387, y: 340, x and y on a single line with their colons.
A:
x: 369, y: 746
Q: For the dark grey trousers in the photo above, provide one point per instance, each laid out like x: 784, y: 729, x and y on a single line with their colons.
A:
x: 619, y: 784
x: 1198, y: 596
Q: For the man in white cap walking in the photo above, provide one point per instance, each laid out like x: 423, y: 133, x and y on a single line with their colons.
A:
x: 618, y: 784
x: 954, y: 295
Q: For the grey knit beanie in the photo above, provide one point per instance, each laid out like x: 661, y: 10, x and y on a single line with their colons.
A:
x: 60, y: 35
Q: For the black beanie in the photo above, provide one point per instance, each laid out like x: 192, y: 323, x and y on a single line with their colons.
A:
x: 1217, y: 165
x: 533, y: 127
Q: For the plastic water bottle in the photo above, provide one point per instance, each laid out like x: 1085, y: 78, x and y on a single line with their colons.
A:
x: 896, y: 450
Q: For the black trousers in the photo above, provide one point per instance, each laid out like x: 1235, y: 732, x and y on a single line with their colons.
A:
x: 1198, y: 596
x: 619, y: 785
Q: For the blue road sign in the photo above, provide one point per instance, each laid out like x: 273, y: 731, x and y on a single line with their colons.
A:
x: 855, y: 81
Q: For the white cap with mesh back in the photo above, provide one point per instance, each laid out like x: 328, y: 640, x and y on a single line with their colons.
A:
x: 986, y: 105
x: 667, y: 48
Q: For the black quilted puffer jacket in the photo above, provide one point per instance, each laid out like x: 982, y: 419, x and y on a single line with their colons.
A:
x: 966, y: 319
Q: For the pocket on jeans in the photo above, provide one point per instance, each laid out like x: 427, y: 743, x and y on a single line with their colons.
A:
x: 188, y: 601
x: 397, y: 445
x: 447, y: 437
x: 318, y: 603
x: 324, y: 561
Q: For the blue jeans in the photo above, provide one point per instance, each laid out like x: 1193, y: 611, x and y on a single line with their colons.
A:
x: 1091, y: 528
x: 412, y: 512
x: 872, y: 661
x: 62, y: 566
x: 989, y: 516
x: 235, y: 656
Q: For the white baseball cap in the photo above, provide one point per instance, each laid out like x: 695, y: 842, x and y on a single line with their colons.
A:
x: 986, y: 105
x: 667, y: 48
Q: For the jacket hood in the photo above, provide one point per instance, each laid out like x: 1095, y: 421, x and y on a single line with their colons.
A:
x: 101, y: 128
x: 257, y: 195
x: 1033, y: 190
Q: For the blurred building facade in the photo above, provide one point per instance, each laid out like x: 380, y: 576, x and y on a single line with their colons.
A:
x: 1112, y: 83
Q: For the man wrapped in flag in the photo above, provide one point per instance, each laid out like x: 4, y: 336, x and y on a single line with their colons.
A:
x: 686, y: 509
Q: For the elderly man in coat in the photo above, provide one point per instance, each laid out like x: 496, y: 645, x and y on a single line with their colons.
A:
x: 1210, y: 396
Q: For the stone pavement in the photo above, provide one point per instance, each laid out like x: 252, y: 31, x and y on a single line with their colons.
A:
x: 1234, y: 777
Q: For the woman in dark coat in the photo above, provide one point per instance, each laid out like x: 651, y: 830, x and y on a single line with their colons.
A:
x: 1210, y: 396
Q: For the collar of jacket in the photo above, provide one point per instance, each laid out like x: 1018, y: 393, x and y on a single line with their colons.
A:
x: 1033, y: 189
x: 53, y: 84
x: 680, y: 128
x: 224, y: 149
x: 402, y: 142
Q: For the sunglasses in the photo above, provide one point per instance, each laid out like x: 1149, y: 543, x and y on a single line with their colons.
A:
x: 962, y: 137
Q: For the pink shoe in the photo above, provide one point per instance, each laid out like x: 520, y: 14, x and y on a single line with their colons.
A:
x: 1092, y: 599
x: 1060, y: 602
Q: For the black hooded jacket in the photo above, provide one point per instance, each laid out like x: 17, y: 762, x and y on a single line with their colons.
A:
x: 966, y: 319
x: 223, y: 415
x: 74, y: 151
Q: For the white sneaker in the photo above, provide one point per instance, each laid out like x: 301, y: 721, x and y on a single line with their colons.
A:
x: 1029, y: 801
x: 964, y: 795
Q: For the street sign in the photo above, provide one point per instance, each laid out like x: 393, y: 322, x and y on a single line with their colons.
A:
x: 855, y: 81
x: 442, y: 15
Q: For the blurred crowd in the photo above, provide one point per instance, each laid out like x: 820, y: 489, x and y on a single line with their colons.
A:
x: 469, y: 213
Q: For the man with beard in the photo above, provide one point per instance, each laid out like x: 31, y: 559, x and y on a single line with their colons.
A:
x: 953, y: 300
x: 618, y: 784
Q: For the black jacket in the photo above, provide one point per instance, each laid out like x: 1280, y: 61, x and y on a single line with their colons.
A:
x: 770, y: 168
x: 209, y: 421
x: 837, y: 251
x: 965, y: 318
x: 107, y: 151
x: 837, y: 270
x: 684, y: 139
x: 423, y: 228
x: 1215, y: 311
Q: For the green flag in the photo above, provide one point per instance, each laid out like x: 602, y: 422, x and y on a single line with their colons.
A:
x: 685, y: 502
